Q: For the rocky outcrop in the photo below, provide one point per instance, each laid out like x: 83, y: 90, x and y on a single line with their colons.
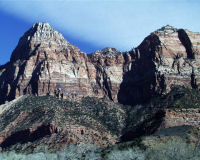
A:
x: 45, y: 63
x: 108, y: 73
x: 179, y: 117
x: 167, y: 57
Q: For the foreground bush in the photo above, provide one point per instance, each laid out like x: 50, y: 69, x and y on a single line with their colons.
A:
x: 128, y: 154
x: 72, y: 152
x: 175, y: 149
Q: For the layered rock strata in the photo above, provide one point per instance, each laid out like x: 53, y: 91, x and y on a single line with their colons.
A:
x: 45, y: 63
x: 181, y: 117
x: 165, y: 58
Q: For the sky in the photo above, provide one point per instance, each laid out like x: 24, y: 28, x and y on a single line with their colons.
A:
x: 95, y: 24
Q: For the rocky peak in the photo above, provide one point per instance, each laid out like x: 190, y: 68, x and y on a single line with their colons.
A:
x: 43, y: 32
x: 40, y: 35
x: 107, y: 52
x: 106, y: 57
x: 166, y: 29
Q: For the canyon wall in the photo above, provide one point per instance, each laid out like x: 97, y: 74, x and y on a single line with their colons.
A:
x: 45, y: 63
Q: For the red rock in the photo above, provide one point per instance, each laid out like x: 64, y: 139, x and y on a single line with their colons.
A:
x: 45, y: 63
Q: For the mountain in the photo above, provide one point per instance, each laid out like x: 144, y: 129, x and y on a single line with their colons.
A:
x: 44, y: 63
x: 166, y: 57
x: 54, y: 96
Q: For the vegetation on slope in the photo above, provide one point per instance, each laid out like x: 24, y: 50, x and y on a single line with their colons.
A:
x: 155, y: 147
x: 49, y: 108
x: 100, y: 117
x: 145, y: 119
x: 179, y: 97
x: 103, y: 115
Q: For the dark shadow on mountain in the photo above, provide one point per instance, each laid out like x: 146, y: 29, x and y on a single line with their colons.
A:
x: 9, y: 83
x: 193, y: 81
x: 33, y: 83
x: 139, y: 83
x: 6, y: 81
x: 25, y: 136
x: 147, y: 127
x: 23, y: 50
x: 185, y: 40
x: 14, y: 84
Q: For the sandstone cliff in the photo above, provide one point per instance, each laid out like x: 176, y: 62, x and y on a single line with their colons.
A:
x: 45, y: 63
x: 166, y: 57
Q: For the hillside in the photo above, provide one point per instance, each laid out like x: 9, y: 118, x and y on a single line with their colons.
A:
x: 34, y: 121
x: 47, y: 120
x: 179, y: 107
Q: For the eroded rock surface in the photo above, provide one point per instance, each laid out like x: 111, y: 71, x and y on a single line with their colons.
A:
x: 45, y: 63
x: 181, y: 117
x: 167, y: 57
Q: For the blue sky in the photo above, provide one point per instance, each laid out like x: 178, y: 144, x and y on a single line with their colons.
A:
x: 95, y: 24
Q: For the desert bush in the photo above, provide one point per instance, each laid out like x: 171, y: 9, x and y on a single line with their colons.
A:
x: 127, y: 154
x: 33, y: 156
x: 84, y: 152
x: 71, y: 152
x: 173, y: 150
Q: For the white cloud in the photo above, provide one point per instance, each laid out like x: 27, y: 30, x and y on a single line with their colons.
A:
x: 109, y: 23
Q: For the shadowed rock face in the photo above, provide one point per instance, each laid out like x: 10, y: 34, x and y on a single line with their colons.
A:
x: 179, y: 107
x: 166, y: 57
x: 185, y: 40
x: 27, y: 135
x: 140, y: 82
x: 45, y: 63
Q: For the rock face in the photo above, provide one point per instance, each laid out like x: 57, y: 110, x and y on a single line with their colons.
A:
x: 181, y: 117
x: 167, y: 57
x: 45, y: 63
x: 108, y: 72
